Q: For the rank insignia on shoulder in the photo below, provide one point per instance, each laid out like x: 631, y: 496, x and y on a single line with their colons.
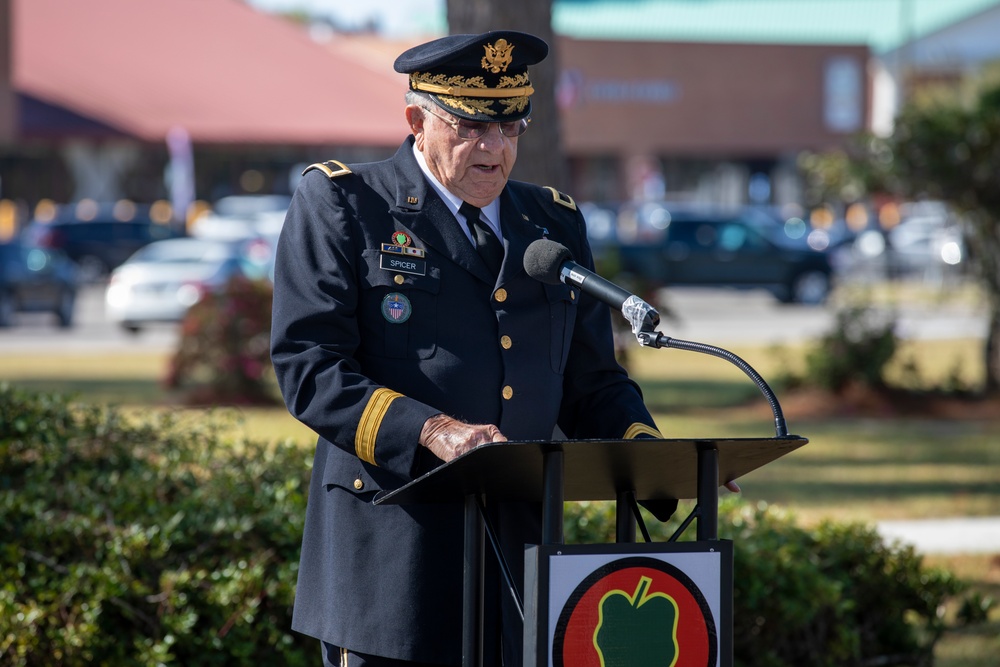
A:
x: 560, y: 198
x: 332, y: 168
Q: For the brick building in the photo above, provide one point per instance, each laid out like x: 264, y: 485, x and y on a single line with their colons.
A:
x: 712, y: 100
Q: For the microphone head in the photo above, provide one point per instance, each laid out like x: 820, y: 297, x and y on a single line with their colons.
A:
x: 544, y: 258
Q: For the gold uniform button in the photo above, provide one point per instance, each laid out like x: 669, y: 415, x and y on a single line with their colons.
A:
x: 358, y: 484
x: 505, y: 342
x: 508, y: 392
x: 572, y: 295
x: 398, y: 279
x: 500, y: 295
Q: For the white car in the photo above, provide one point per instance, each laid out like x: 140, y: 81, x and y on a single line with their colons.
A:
x: 160, y: 282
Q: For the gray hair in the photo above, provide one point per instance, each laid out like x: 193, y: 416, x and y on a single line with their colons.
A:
x: 420, y: 99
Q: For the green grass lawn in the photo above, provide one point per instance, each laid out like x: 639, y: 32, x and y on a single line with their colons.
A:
x: 855, y: 467
x: 861, y: 467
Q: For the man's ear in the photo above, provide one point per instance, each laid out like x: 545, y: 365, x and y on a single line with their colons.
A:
x: 415, y: 118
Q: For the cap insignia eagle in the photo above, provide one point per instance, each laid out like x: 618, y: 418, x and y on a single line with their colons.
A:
x: 497, y: 56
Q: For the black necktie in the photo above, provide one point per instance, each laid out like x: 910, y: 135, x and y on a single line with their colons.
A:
x: 487, y: 244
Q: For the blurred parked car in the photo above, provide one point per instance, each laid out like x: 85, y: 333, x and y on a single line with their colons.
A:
x: 919, y: 245
x: 928, y: 245
x: 677, y: 245
x: 34, y: 279
x: 242, y: 216
x: 98, y: 236
x: 162, y: 280
x: 251, y: 205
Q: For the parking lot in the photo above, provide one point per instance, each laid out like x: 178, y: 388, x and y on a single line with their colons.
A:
x: 91, y: 330
x: 726, y: 317
x: 715, y: 316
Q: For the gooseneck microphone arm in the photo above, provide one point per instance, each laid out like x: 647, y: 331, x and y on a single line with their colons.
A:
x: 551, y: 262
x: 658, y: 340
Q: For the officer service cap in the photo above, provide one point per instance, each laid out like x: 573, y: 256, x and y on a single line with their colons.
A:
x: 477, y: 77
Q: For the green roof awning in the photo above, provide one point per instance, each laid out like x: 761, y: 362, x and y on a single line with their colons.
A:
x: 883, y: 25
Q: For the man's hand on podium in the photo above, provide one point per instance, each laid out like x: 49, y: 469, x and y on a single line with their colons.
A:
x: 449, y: 438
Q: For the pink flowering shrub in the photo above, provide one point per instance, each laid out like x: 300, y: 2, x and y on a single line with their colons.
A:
x: 223, y: 355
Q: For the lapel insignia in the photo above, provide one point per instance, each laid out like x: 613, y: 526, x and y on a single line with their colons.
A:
x: 412, y: 200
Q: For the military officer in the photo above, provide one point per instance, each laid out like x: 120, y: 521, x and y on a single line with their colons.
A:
x: 406, y: 332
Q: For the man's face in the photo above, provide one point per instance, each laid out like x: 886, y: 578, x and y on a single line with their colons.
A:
x: 474, y: 169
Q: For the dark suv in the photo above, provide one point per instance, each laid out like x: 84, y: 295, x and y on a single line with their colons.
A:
x: 743, y: 248
x: 34, y: 279
x: 101, y: 241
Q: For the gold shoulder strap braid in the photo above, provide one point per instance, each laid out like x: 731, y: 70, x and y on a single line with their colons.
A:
x: 560, y: 198
x: 332, y: 168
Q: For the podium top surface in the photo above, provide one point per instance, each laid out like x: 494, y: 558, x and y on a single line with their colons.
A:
x: 592, y: 469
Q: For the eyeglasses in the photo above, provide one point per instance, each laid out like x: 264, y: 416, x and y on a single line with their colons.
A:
x: 470, y: 129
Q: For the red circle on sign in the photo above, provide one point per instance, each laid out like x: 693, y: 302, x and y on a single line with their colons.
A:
x: 573, y: 644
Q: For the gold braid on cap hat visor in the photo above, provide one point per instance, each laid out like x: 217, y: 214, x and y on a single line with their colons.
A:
x: 485, y: 107
x: 460, y: 86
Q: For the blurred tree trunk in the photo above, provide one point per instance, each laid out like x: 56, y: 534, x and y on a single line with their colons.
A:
x: 540, y: 156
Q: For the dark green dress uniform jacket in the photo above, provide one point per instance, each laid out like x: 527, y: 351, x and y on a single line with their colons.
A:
x: 526, y: 356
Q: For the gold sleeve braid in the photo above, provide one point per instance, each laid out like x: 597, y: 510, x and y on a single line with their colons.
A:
x: 371, y: 421
x: 638, y: 429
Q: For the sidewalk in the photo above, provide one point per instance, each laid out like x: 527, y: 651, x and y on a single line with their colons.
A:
x: 961, y: 535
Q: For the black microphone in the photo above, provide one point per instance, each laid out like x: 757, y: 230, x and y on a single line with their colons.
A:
x: 552, y: 263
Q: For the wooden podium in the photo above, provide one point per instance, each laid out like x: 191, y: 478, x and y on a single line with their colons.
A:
x: 576, y: 470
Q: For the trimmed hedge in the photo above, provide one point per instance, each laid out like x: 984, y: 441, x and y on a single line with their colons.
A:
x: 224, y: 352
x: 156, y: 542
x: 144, y: 543
x: 833, y: 596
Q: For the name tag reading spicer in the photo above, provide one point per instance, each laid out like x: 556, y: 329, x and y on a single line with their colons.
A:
x: 403, y: 259
x: 417, y: 267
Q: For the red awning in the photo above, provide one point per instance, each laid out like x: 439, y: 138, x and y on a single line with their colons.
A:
x: 220, y: 69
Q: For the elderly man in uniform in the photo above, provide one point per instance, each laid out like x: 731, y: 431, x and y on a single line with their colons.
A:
x: 406, y: 332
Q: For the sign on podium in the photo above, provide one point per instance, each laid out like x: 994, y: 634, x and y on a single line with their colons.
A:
x: 612, y: 605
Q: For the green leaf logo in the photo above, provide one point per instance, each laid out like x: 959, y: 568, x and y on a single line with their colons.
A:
x: 637, y: 630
